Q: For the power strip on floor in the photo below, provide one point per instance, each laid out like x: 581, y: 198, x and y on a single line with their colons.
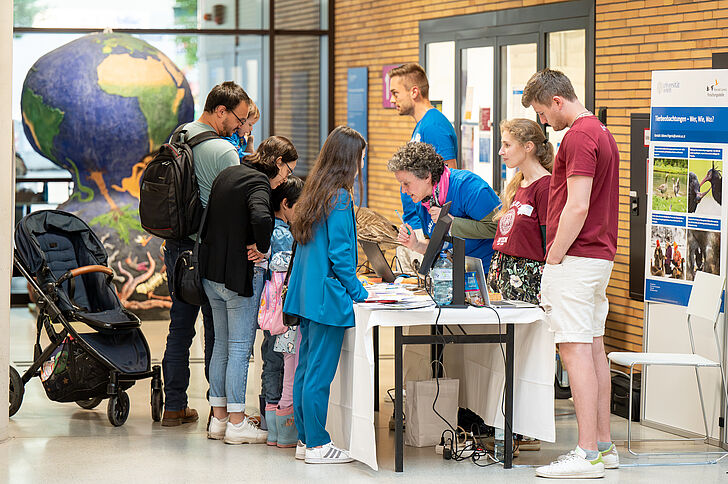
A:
x: 439, y: 449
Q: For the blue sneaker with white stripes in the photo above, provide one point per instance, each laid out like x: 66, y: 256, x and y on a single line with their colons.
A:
x: 327, y: 454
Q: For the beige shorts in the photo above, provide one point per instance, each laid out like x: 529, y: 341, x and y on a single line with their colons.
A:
x: 574, y: 296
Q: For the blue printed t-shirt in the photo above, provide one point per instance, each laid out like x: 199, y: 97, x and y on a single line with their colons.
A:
x: 435, y: 129
x: 281, y: 245
x: 472, y: 198
x: 240, y: 144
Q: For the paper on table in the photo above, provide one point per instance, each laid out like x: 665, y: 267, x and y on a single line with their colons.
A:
x: 412, y: 302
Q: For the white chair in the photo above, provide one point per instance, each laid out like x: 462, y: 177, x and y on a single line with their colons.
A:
x: 705, y: 301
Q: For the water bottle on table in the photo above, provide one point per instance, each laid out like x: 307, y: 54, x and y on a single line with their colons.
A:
x: 441, y: 275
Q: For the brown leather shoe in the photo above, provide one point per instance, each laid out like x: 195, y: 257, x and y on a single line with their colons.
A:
x: 173, y: 418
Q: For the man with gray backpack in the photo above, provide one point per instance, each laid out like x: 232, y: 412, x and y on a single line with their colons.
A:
x: 175, y: 188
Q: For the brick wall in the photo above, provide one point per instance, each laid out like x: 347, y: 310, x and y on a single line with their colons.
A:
x: 632, y: 39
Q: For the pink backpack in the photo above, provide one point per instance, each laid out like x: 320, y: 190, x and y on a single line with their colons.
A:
x: 270, y: 314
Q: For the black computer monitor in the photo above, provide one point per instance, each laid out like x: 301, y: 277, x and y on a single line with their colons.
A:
x: 437, y: 240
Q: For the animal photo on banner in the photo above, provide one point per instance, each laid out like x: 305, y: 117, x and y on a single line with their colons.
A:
x: 705, y: 195
x: 669, y: 179
x: 703, y: 252
x: 667, y: 251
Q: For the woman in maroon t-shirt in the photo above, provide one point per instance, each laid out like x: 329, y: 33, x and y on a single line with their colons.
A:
x: 517, y: 264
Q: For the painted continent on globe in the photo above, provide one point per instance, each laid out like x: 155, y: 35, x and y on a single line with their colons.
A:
x: 99, y: 107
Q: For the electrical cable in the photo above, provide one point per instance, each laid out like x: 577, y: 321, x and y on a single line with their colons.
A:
x: 507, y: 423
x: 456, y: 453
x: 389, y: 393
x: 437, y: 372
x: 478, y: 452
x: 393, y: 266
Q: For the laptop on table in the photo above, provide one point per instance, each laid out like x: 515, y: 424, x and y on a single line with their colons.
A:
x: 377, y: 260
x: 473, y: 264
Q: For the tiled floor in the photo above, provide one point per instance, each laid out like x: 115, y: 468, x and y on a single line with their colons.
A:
x: 53, y: 442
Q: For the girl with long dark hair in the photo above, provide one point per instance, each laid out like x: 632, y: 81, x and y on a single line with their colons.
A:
x: 323, y: 286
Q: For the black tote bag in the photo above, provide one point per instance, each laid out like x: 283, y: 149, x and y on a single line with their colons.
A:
x: 187, y: 280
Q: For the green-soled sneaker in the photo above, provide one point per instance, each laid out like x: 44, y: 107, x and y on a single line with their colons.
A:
x: 573, y: 465
x: 610, y: 458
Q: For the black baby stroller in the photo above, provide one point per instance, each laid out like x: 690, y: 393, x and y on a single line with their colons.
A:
x: 65, y: 264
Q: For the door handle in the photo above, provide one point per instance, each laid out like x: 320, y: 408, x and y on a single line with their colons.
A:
x: 634, y: 203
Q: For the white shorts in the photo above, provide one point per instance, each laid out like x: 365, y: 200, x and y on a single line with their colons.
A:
x: 574, y: 296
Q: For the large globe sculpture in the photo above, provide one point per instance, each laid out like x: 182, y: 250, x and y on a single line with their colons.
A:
x: 99, y: 107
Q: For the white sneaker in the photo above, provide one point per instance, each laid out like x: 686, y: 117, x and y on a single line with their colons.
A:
x: 300, y: 451
x: 216, y: 430
x: 327, y: 454
x: 244, y: 433
x: 610, y: 458
x: 573, y: 465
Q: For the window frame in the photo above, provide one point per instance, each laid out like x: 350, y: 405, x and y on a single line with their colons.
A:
x: 268, y: 35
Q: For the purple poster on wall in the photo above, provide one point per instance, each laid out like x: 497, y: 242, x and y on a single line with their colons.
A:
x: 385, y: 85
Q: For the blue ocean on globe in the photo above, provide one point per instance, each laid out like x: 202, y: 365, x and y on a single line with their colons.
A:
x: 99, y: 107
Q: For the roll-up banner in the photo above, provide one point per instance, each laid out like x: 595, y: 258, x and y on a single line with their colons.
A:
x: 686, y: 220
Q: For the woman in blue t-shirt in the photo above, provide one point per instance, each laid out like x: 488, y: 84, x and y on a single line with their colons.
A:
x: 424, y: 176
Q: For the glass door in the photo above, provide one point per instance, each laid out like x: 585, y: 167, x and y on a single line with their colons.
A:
x: 492, y: 74
x: 565, y: 53
x: 476, y: 110
x: 440, y: 68
x: 479, y: 82
x: 518, y: 61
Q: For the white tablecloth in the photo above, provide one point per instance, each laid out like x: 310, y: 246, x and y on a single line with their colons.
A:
x: 479, y: 367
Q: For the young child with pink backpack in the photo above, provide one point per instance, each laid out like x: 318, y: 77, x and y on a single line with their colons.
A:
x: 279, y: 341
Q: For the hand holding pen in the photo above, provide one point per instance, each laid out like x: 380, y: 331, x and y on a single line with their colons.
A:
x: 409, y: 232
x: 405, y: 236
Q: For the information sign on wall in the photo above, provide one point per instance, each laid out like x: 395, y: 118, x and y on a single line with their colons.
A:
x: 686, y: 217
x: 356, y: 118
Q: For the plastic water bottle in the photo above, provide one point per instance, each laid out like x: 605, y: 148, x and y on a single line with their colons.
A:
x: 442, y: 280
x: 499, y: 447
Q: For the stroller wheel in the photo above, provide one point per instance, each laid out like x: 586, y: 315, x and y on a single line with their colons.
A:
x: 157, y: 405
x: 89, y: 403
x: 118, y: 408
x: 16, y: 391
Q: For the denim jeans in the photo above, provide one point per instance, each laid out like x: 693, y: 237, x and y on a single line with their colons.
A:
x: 236, y: 321
x: 176, y: 360
x: 271, y: 378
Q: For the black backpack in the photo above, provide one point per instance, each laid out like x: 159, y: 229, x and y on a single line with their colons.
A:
x: 169, y: 198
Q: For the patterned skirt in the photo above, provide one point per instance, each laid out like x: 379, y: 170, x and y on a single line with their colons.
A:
x: 516, y: 278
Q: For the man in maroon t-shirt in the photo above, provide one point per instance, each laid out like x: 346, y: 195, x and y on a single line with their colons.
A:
x: 581, y: 238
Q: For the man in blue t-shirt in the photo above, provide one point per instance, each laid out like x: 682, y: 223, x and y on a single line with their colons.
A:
x: 409, y: 92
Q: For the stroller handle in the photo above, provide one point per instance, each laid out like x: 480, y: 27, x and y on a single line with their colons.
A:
x: 84, y: 270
